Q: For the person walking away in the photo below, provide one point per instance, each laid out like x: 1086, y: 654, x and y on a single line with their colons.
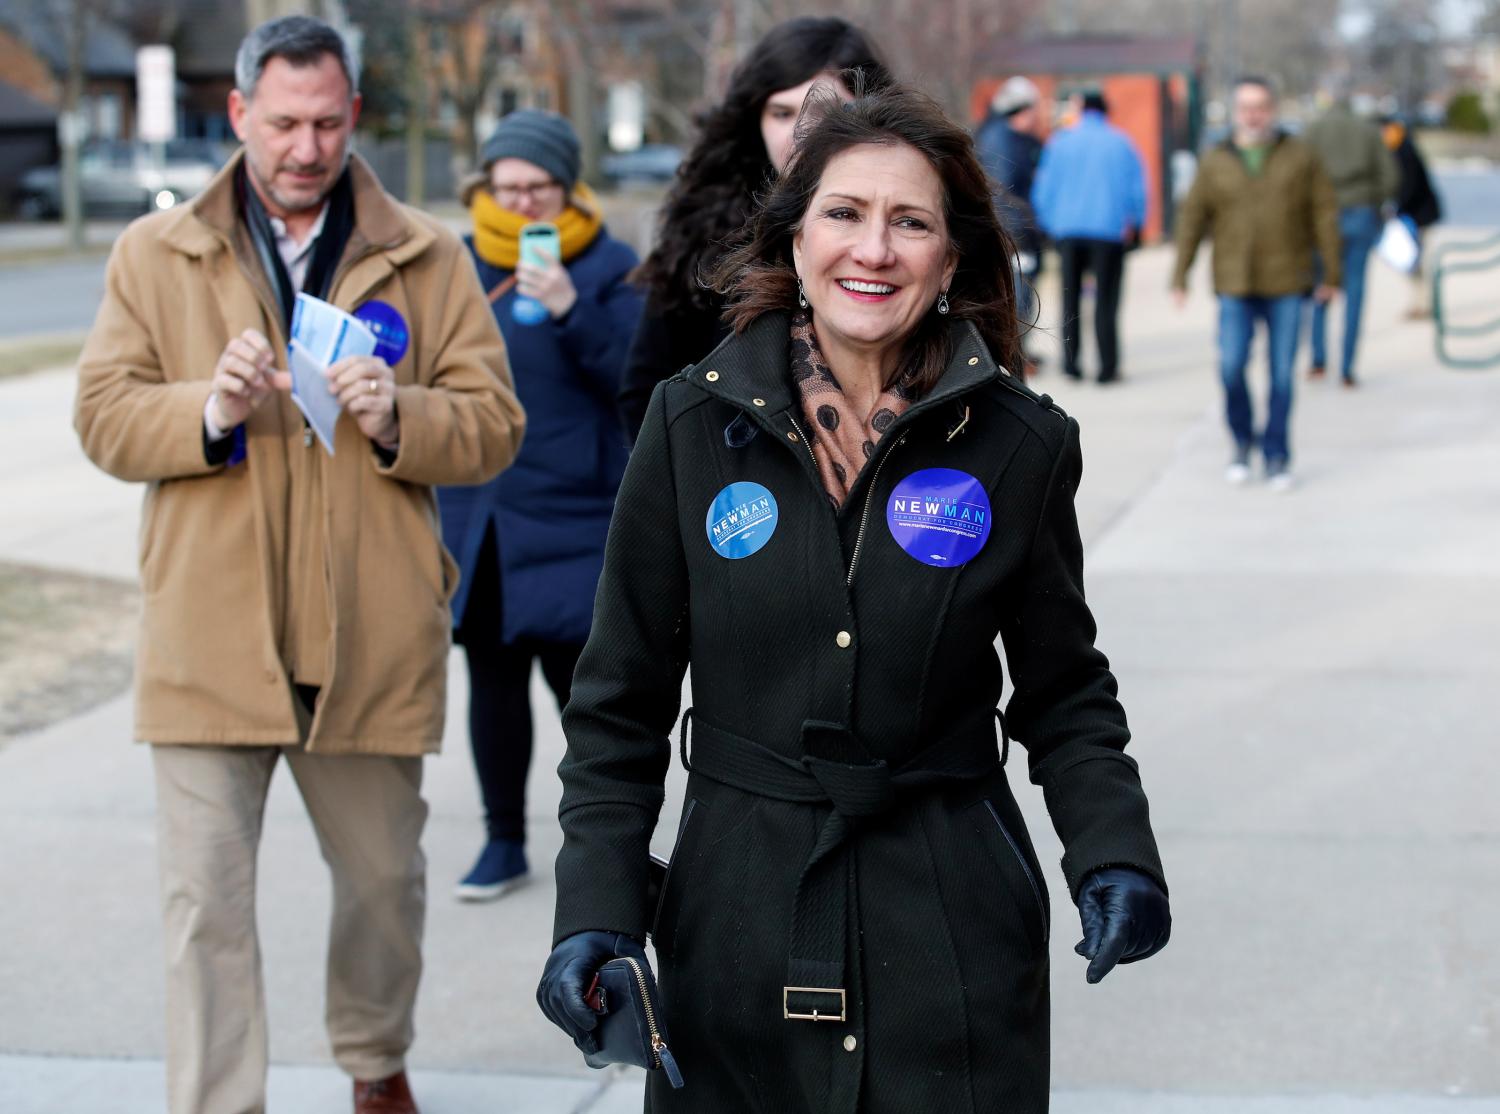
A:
x: 854, y: 920
x: 295, y: 598
x: 1009, y: 150
x: 530, y: 543
x: 1417, y: 201
x: 1365, y: 177
x: 743, y: 144
x: 1090, y: 199
x: 1266, y: 201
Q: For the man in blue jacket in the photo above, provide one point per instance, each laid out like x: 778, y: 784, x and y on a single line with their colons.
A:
x: 1090, y: 198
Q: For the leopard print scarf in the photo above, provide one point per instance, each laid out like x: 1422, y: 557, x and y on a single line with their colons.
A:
x: 842, y: 441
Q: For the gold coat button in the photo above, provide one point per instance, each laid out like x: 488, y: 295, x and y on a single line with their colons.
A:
x: 850, y: 1044
x: 973, y: 360
x: 758, y: 401
x: 843, y: 638
x: 712, y: 377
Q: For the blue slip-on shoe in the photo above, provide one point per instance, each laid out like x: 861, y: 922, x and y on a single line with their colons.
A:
x: 501, y: 868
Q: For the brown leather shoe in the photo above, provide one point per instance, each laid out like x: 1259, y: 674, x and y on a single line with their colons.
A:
x: 1315, y: 372
x: 384, y: 1096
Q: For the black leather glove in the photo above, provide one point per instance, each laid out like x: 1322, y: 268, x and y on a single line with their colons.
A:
x: 565, y: 980
x: 1125, y: 917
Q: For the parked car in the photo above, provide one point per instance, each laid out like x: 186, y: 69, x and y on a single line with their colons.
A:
x: 654, y: 163
x: 123, y: 179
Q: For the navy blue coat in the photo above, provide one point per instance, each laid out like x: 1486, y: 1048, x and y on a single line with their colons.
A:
x: 550, y: 510
x: 1010, y: 157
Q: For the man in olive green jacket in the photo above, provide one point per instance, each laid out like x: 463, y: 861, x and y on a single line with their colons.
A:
x: 1267, y: 202
x: 1365, y: 177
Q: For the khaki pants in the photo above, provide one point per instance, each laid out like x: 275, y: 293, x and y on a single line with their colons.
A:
x: 368, y: 813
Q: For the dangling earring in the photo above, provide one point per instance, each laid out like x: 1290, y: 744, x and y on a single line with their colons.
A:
x: 942, y: 304
x: 801, y: 295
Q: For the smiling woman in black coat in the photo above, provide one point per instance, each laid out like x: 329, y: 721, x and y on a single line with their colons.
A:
x: 832, y: 518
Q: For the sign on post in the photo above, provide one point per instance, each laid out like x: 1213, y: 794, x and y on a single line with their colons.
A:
x: 156, y: 94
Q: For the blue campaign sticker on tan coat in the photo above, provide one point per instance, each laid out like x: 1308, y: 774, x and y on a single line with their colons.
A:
x: 940, y: 516
x: 392, y: 337
x: 741, y: 520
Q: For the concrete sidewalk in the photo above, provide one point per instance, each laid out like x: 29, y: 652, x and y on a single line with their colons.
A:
x: 1309, y: 679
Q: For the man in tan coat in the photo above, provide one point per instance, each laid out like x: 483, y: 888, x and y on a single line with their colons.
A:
x: 296, y: 600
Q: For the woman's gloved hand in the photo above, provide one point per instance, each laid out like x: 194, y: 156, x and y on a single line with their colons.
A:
x: 566, y: 978
x: 1125, y: 917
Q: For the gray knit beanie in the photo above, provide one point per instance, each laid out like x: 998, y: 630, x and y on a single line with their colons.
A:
x: 542, y: 138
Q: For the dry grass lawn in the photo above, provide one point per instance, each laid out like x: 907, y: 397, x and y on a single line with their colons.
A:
x: 66, y: 644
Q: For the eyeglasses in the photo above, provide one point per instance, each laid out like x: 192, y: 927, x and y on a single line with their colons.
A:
x: 536, y: 191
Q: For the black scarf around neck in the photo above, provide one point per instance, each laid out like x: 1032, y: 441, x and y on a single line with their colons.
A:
x: 327, y: 252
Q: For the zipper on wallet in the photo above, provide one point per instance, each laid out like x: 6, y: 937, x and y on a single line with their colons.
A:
x: 664, y: 1058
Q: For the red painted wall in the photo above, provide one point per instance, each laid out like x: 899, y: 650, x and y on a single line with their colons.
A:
x: 1135, y: 107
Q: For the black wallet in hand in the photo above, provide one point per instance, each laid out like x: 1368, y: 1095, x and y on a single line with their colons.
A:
x: 630, y: 1029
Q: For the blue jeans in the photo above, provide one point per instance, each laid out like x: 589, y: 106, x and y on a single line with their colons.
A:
x: 1283, y: 318
x: 1359, y: 228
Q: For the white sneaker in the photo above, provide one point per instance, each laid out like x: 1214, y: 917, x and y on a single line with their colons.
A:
x: 1282, y: 481
x: 1238, y: 473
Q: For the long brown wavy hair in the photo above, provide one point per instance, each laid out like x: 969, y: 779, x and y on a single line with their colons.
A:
x: 758, y: 277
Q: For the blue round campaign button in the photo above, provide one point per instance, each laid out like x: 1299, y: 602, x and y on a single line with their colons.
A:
x: 741, y: 520
x: 392, y: 337
x: 528, y: 311
x: 940, y: 516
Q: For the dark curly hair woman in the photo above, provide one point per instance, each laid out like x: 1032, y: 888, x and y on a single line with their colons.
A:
x: 743, y: 145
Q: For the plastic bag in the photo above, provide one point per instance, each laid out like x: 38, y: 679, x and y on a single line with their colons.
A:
x: 1399, y: 246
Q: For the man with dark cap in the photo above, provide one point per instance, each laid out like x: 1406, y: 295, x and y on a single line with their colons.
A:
x: 295, y: 597
x: 1090, y: 198
x: 1010, y: 151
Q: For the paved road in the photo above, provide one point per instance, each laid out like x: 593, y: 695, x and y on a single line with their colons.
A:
x: 1471, y: 198
x: 1310, y: 681
x: 51, y: 296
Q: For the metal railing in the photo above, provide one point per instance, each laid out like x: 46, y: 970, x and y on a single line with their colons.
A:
x: 1479, y: 257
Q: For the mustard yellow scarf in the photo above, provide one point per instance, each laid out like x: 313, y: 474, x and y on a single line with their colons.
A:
x: 497, y: 231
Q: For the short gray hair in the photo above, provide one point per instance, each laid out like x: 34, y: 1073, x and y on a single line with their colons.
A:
x: 301, y: 40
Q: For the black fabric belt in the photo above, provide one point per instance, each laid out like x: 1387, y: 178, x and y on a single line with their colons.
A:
x: 828, y: 773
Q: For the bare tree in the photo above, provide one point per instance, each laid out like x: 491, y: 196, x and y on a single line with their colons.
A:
x: 937, y: 46
x: 1399, y: 49
x: 68, y: 23
x: 466, y: 47
x: 1291, y: 41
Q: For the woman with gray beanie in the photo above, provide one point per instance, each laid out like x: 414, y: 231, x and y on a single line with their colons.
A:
x: 531, y: 543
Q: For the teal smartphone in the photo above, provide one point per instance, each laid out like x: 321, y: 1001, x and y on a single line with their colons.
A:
x: 540, y: 236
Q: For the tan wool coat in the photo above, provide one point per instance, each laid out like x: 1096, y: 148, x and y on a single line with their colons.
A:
x: 216, y: 566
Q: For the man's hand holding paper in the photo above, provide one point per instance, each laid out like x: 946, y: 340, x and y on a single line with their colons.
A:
x: 334, y: 369
x: 365, y: 387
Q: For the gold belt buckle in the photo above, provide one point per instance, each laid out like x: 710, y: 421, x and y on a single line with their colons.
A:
x: 788, y: 1015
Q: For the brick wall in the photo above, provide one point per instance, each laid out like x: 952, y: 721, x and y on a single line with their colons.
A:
x: 20, y: 67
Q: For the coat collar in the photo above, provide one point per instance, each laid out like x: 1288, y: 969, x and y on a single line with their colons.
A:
x: 209, y: 222
x: 749, y: 370
x: 1275, y: 140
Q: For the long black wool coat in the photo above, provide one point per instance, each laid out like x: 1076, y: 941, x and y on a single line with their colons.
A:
x: 855, y: 919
